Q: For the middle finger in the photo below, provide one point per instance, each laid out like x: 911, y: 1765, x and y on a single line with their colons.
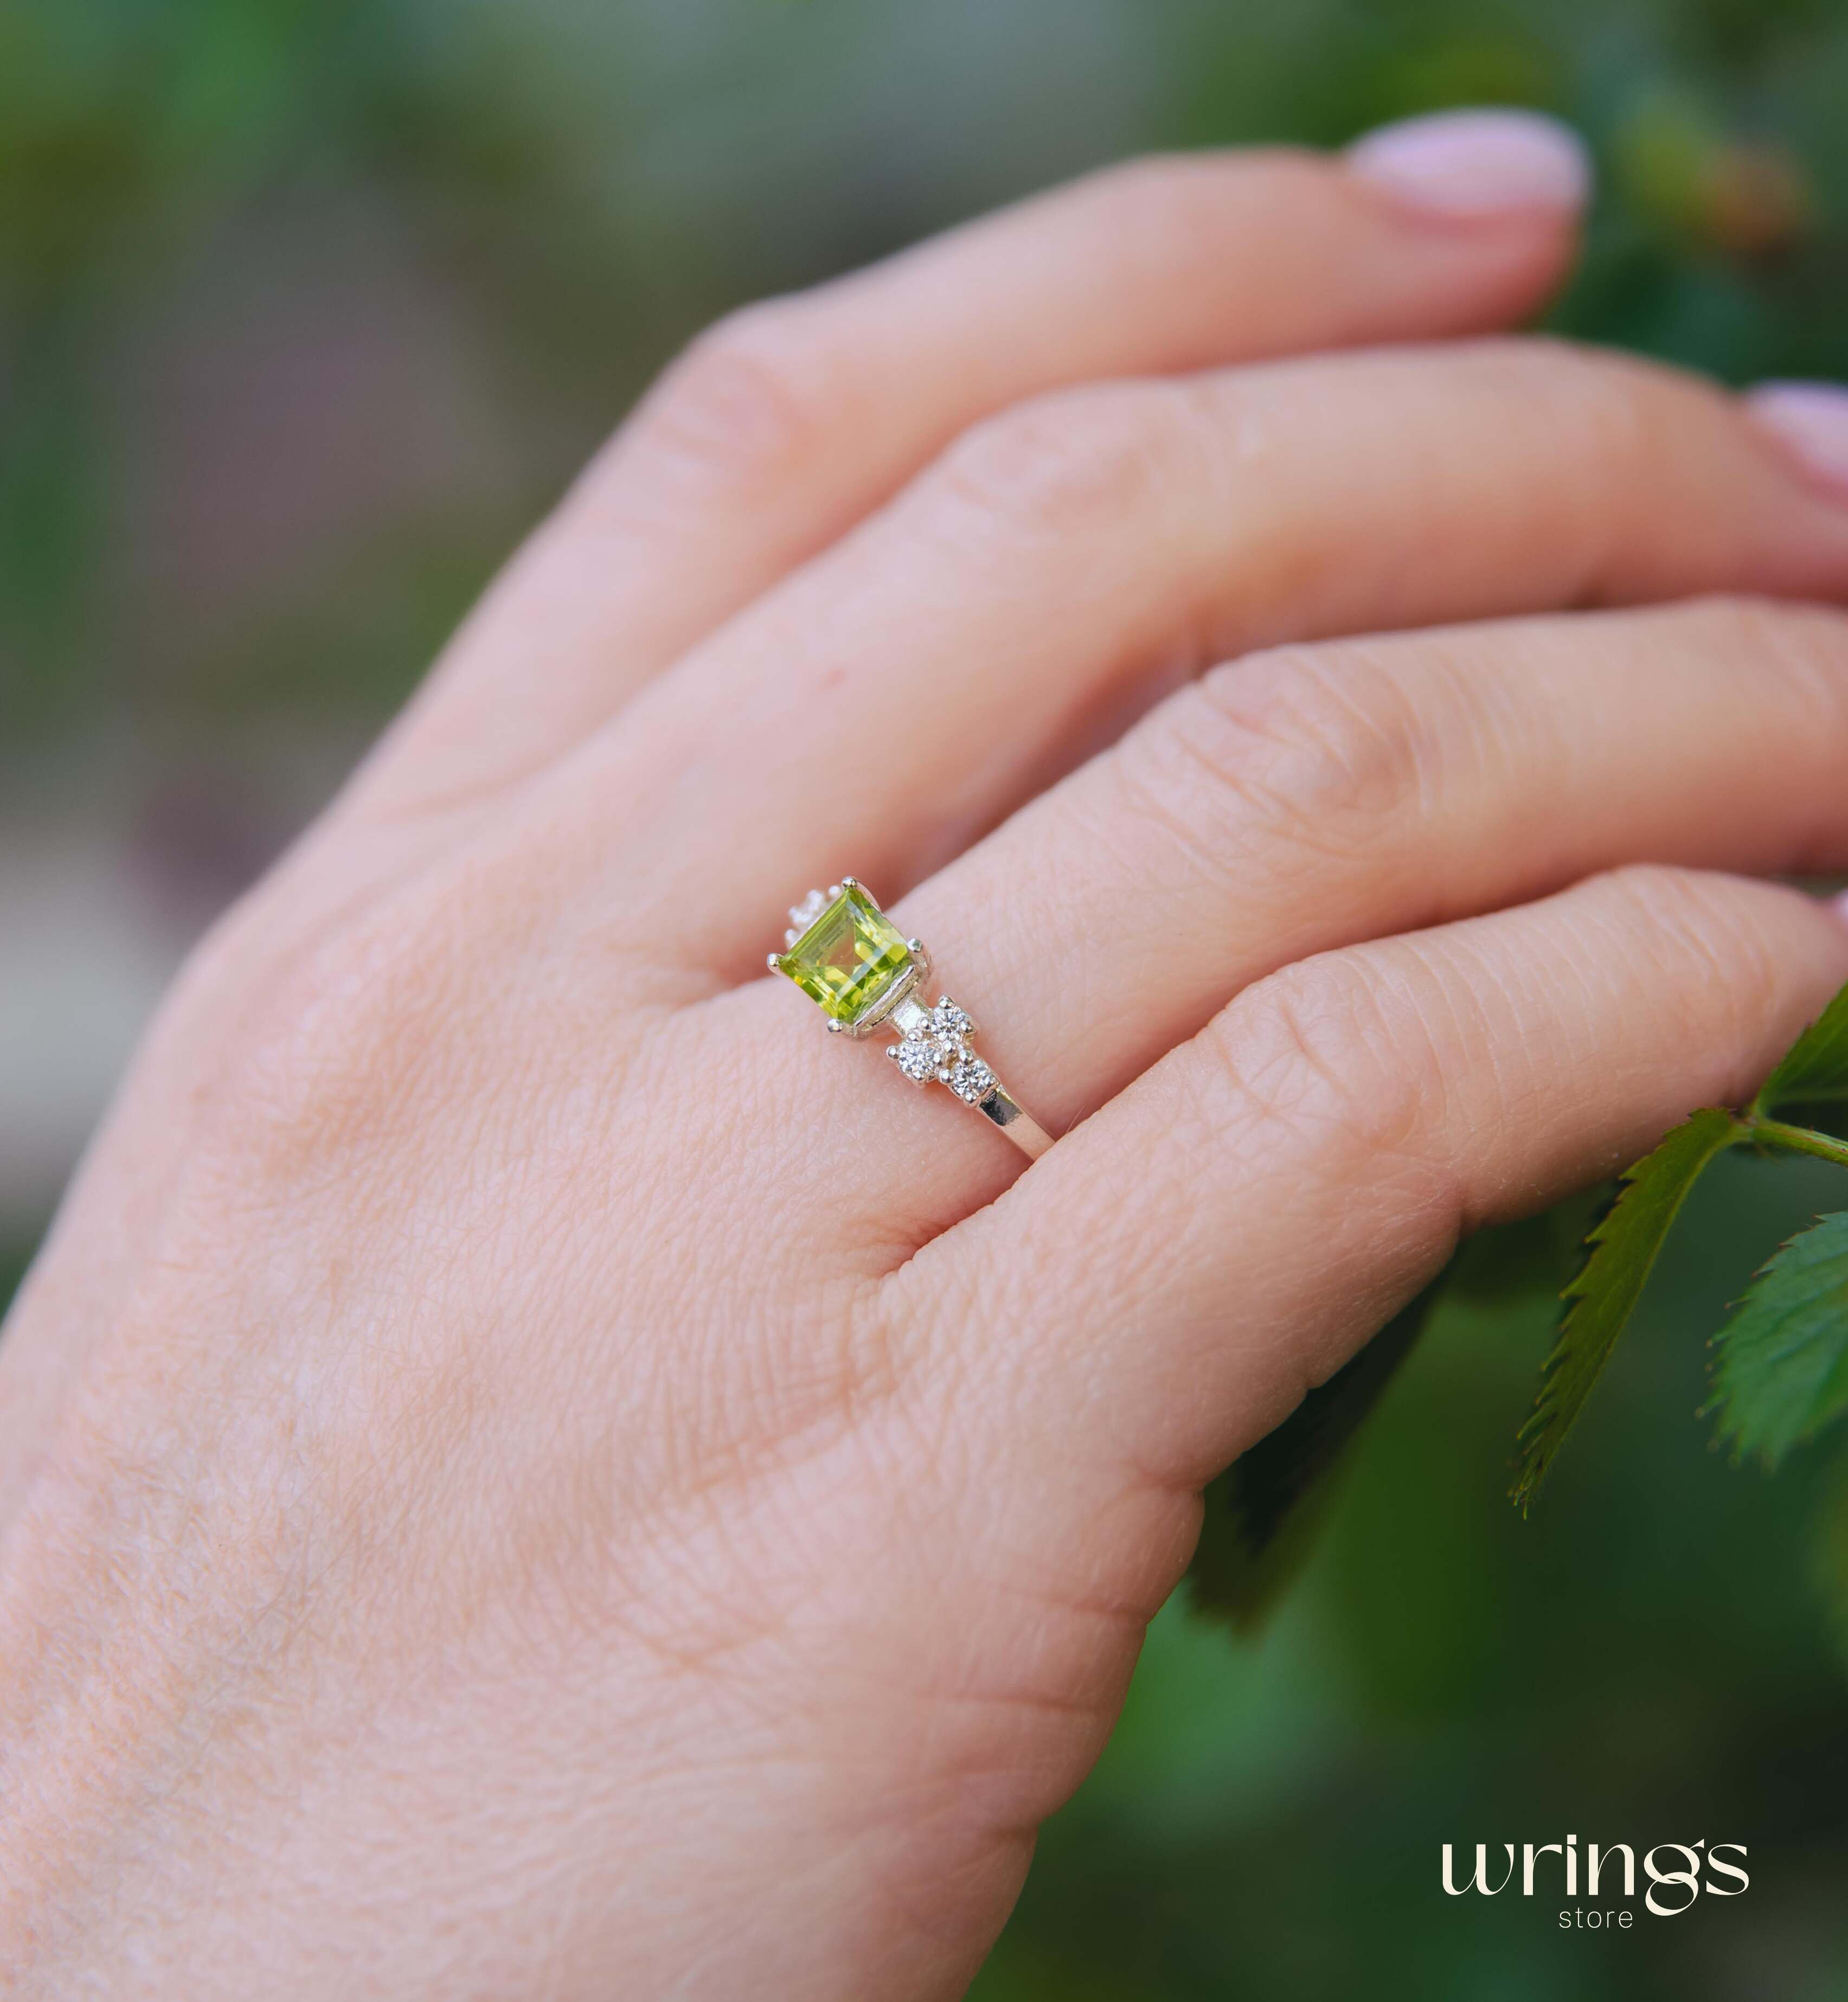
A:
x: 1064, y: 566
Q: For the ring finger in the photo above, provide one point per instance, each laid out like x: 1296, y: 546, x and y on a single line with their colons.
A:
x: 1230, y: 1229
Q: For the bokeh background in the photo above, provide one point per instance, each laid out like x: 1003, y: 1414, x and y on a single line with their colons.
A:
x: 308, y: 307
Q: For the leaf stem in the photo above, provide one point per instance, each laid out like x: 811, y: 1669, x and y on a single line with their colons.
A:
x: 1798, y: 1140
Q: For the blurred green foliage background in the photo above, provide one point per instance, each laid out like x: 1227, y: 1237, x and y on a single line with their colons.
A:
x: 308, y: 307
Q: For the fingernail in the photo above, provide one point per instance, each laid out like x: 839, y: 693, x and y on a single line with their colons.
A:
x: 1810, y: 421
x: 1477, y: 164
x: 1840, y: 907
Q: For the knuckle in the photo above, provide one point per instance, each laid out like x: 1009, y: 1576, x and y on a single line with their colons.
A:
x: 341, y: 1045
x: 1295, y: 757
x: 1316, y: 743
x: 1341, y: 1050
x: 1068, y: 463
x: 746, y: 400
x: 375, y: 1039
x: 410, y: 1038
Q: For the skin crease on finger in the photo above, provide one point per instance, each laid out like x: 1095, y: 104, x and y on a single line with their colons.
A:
x: 512, y: 1534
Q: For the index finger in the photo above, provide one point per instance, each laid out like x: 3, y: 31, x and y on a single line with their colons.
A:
x: 788, y: 422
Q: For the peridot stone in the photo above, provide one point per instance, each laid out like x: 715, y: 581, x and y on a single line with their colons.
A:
x: 848, y: 959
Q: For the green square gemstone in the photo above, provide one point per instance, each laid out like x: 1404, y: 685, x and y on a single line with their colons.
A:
x: 848, y: 959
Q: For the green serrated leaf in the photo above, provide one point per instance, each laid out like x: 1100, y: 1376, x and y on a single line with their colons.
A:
x: 1263, y: 1512
x: 1620, y: 1254
x: 1815, y: 1072
x: 1783, y: 1356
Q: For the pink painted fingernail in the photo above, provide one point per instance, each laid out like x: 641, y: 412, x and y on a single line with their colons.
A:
x: 1810, y: 421
x: 1477, y: 164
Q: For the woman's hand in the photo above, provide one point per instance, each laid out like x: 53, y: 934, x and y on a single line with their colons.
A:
x: 527, y: 1469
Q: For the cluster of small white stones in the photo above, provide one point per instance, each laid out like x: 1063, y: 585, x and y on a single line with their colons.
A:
x: 804, y: 914
x: 934, y: 1044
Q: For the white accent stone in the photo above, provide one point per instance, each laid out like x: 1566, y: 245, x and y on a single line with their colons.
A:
x: 950, y: 1022
x: 918, y: 1057
x: 971, y: 1080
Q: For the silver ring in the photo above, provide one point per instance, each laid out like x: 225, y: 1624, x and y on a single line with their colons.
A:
x: 849, y: 958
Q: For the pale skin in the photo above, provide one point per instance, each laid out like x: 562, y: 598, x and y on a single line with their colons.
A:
x: 526, y: 1468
